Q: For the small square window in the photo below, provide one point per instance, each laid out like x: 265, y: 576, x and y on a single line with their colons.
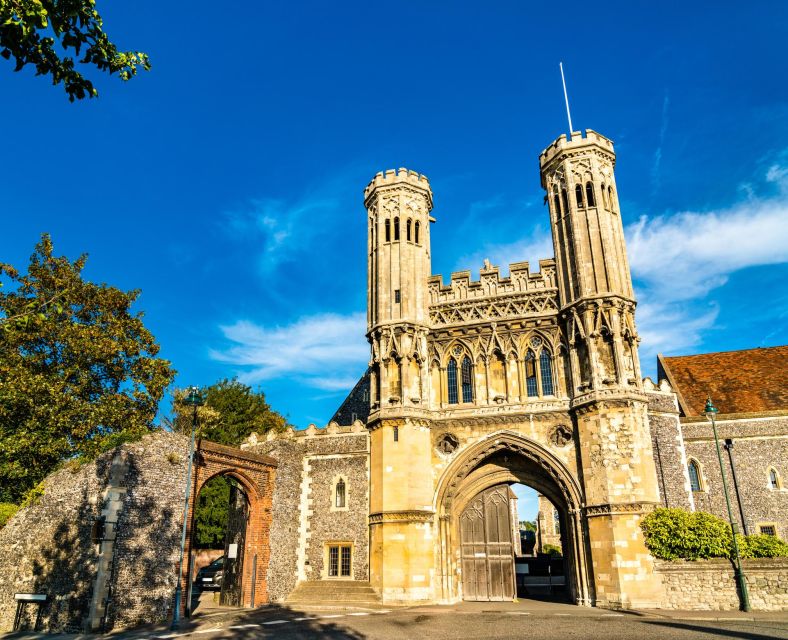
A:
x: 768, y: 530
x: 396, y: 296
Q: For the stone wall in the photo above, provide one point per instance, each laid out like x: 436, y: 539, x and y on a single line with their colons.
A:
x: 310, y: 462
x: 710, y: 584
x: 48, y: 548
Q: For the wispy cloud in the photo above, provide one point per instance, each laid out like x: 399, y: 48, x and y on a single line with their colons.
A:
x: 324, y: 351
x: 656, y: 175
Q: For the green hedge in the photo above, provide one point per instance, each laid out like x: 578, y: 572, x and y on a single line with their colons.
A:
x: 673, y: 534
x: 7, y: 511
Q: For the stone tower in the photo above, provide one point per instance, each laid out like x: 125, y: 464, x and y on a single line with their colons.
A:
x: 607, y: 402
x: 399, y: 205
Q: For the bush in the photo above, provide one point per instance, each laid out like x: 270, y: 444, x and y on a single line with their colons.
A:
x: 673, y: 534
x: 762, y: 546
x: 7, y: 511
x: 676, y: 534
x: 552, y: 550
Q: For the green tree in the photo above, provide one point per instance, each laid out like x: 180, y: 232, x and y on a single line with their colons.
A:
x: 31, y: 31
x: 232, y: 411
x: 528, y: 525
x: 75, y: 380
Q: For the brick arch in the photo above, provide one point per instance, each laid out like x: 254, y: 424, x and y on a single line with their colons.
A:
x: 255, y: 473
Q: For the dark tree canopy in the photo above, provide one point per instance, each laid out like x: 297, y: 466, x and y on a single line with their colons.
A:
x: 33, y: 32
x: 79, y: 371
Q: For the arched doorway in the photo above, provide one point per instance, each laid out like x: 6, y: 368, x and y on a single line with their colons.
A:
x: 478, y: 477
x: 246, y: 542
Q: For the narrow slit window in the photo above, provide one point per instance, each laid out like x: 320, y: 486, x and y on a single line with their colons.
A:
x: 774, y: 479
x: 388, y: 230
x: 530, y: 375
x: 546, y: 369
x: 610, y: 198
x: 604, y: 196
x: 579, y: 196
x: 408, y: 225
x: 339, y: 498
x: 694, y: 475
x: 467, y: 380
x: 416, y: 232
x: 396, y: 434
x: 590, y: 195
x: 397, y: 297
x: 451, y: 375
x: 565, y: 200
x: 396, y: 229
x: 557, y: 204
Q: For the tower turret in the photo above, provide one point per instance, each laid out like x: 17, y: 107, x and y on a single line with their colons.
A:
x: 398, y: 266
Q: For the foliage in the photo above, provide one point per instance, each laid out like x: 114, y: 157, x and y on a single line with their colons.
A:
x: 76, y: 379
x: 210, y: 520
x: 7, y: 511
x: 527, y: 525
x: 32, y: 495
x: 551, y: 550
x: 762, y: 546
x: 232, y: 411
x: 675, y: 533
x: 32, y: 30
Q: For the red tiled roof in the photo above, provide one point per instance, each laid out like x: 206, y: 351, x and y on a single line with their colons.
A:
x: 748, y: 381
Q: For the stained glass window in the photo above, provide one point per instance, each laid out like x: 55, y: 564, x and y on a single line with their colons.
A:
x: 467, y: 380
x: 451, y: 374
x: 530, y: 375
x: 546, y: 369
x: 694, y: 475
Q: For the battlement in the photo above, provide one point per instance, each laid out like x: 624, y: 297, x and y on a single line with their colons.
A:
x: 392, y: 177
x: 312, y: 431
x: 577, y: 141
x: 490, y: 283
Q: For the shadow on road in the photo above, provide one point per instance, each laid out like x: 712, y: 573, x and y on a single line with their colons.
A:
x: 715, y: 631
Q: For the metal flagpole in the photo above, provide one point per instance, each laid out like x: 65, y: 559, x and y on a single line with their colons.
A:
x: 566, y: 99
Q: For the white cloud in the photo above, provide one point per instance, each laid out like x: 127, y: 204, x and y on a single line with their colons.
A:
x: 324, y: 351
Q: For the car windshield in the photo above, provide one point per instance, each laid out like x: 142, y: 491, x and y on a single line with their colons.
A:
x: 218, y: 562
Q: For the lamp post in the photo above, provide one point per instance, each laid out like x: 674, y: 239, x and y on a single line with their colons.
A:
x: 193, y: 400
x: 710, y: 412
x: 728, y: 446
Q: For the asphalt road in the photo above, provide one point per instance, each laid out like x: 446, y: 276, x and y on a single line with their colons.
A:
x: 438, y: 623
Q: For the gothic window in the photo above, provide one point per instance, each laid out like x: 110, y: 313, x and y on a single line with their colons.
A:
x: 694, y: 475
x: 579, y: 196
x: 590, y: 194
x: 339, y: 494
x: 604, y: 196
x: 407, y: 227
x: 467, y: 380
x: 451, y: 375
x: 416, y: 230
x: 557, y: 204
x: 388, y: 230
x: 774, y: 479
x: 396, y: 229
x: 530, y: 375
x: 565, y: 200
x: 610, y: 198
x: 546, y: 369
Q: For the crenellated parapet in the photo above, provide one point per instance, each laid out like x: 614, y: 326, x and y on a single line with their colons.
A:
x: 312, y: 431
x: 392, y: 178
x: 563, y: 146
x: 491, y: 284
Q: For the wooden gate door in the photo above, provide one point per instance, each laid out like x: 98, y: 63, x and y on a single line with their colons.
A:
x: 486, y: 547
x: 234, y: 543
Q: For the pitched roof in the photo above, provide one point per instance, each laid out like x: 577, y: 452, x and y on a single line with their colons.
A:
x: 747, y: 381
x: 356, y: 405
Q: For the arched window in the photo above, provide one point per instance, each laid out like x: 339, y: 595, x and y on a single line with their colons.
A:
x: 416, y: 229
x: 565, y: 200
x: 339, y: 494
x: 388, y: 230
x: 610, y: 198
x: 530, y: 375
x: 774, y: 479
x: 604, y: 196
x: 467, y: 380
x: 396, y: 229
x: 590, y: 195
x: 407, y: 227
x: 451, y: 375
x: 546, y: 369
x: 694, y: 475
x: 579, y: 196
x: 557, y: 204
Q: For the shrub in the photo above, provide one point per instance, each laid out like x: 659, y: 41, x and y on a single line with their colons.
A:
x: 675, y: 533
x: 7, y: 511
x: 552, y: 550
x: 762, y: 546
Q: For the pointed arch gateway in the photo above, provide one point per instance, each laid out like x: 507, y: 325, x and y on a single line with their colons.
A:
x: 501, y: 459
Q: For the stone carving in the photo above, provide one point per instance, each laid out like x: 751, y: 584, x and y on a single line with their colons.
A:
x: 561, y: 436
x: 448, y: 444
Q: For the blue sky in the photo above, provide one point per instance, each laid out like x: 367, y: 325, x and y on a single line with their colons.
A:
x: 227, y: 182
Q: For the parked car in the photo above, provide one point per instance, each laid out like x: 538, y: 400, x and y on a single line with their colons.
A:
x: 210, y: 577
